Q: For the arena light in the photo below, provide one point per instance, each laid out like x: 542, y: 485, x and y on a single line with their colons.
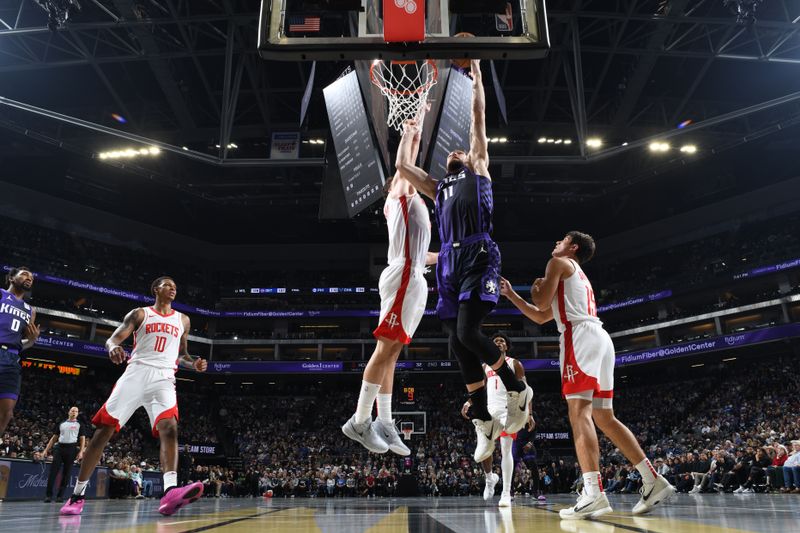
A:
x: 567, y: 141
x: 689, y: 149
x: 659, y: 147
x: 542, y: 140
x: 729, y: 359
x: 594, y: 142
x: 130, y: 153
x: 698, y: 365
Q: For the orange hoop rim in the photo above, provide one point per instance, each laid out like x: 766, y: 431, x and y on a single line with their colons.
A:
x: 406, y: 92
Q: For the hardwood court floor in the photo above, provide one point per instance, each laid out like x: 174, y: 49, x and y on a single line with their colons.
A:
x: 710, y: 513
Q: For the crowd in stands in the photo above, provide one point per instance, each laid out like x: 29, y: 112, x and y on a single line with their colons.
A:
x: 730, y: 429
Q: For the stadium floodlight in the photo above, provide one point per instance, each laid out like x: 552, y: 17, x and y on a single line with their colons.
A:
x: 594, y: 142
x: 659, y: 147
x: 689, y: 149
x: 542, y: 140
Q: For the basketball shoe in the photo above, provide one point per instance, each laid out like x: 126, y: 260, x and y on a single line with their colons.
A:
x: 587, y: 507
x: 388, y: 432
x: 518, y: 409
x: 364, y: 434
x: 177, y: 497
x: 487, y: 432
x: 505, y: 500
x: 653, y: 494
x: 73, y: 506
x: 488, y: 489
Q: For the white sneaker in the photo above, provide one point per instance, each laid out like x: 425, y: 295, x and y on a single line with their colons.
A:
x: 587, y: 507
x: 518, y: 411
x: 505, y: 500
x: 653, y: 494
x: 491, y: 481
x: 365, y: 435
x: 748, y: 491
x: 739, y: 490
x: 695, y: 489
x: 388, y: 432
x: 487, y: 432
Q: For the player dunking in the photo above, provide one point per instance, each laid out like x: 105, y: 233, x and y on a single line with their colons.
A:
x: 403, y: 291
x: 587, y: 374
x: 468, y: 269
x: 160, y: 344
x: 497, y: 405
x: 18, y: 332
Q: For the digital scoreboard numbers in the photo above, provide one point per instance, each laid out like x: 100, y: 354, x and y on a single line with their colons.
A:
x: 452, y: 132
x: 359, y: 163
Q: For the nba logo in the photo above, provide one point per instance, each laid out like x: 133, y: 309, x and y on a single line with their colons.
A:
x: 504, y: 22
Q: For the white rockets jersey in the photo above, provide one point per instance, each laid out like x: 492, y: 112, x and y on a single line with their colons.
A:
x: 157, y: 340
x: 574, y: 300
x: 495, y: 390
x: 409, y: 229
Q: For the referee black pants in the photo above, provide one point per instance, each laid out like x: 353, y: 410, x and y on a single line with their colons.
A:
x: 63, y: 457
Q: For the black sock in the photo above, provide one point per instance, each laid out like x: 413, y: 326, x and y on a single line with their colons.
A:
x: 509, y: 379
x: 479, y: 404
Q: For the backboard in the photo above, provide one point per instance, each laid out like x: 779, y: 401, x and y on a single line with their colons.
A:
x: 305, y: 30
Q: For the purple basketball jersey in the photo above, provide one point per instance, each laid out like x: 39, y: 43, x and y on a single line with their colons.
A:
x: 464, y: 205
x: 15, y: 315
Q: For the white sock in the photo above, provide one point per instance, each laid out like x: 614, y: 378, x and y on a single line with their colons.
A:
x: 507, y: 463
x: 366, y: 398
x: 170, y: 480
x: 80, y: 487
x: 591, y: 484
x: 385, y: 407
x: 647, y: 471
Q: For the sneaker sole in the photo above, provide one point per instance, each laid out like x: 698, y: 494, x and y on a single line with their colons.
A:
x: 516, y: 427
x: 402, y: 452
x: 583, y: 516
x: 352, y: 435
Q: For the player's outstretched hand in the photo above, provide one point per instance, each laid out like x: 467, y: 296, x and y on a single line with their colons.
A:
x: 411, y: 127
x: 506, y: 289
x: 465, y: 410
x: 200, y: 365
x: 117, y: 355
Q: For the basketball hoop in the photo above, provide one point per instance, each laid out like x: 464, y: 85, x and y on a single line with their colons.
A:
x: 405, y: 84
x: 407, y: 433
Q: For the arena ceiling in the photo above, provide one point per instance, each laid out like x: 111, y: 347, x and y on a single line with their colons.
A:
x: 187, y: 73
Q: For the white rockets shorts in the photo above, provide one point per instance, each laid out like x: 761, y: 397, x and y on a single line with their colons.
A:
x: 140, y: 386
x: 404, y: 293
x: 587, y: 364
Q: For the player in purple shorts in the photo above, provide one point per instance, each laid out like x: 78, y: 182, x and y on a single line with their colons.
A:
x: 18, y: 332
x: 468, y: 271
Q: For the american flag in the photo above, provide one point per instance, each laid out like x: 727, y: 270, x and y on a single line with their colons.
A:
x: 304, y: 24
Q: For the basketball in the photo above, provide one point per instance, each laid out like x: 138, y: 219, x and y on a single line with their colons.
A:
x: 462, y: 63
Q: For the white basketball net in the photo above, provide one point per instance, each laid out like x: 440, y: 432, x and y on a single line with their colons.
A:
x: 405, y: 84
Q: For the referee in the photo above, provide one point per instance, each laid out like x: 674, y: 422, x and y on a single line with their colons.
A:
x: 71, y: 439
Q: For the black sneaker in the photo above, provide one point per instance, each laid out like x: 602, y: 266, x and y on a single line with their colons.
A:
x: 48, y: 499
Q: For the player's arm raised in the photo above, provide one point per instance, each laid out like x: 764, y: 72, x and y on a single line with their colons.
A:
x: 478, y: 143
x: 185, y: 360
x: 406, y: 166
x: 129, y: 324
x: 544, y: 289
x: 531, y: 312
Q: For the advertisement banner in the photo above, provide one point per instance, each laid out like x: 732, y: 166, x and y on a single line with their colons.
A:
x: 203, y: 449
x: 285, y: 145
x: 25, y: 480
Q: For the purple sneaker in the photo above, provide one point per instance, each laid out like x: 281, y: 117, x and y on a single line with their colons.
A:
x: 542, y: 497
x: 177, y: 497
x: 73, y: 506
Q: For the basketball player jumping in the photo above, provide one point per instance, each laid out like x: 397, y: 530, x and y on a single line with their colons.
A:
x: 497, y: 405
x: 18, y: 332
x: 160, y: 344
x: 587, y: 374
x: 403, y: 291
x: 468, y: 270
